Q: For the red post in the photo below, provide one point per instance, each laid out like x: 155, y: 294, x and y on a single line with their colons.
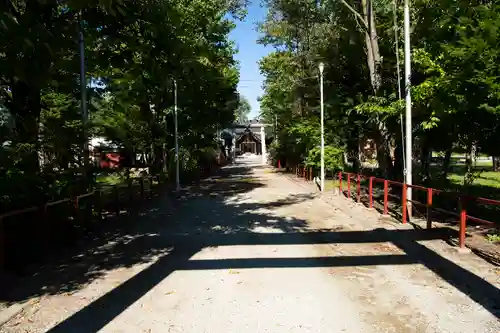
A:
x: 403, y: 204
x: 463, y: 223
x: 429, y: 205
x: 386, y: 196
x: 359, y: 188
x: 370, y: 191
x: 310, y: 174
x: 348, y: 185
x: 279, y: 164
x: 340, y: 182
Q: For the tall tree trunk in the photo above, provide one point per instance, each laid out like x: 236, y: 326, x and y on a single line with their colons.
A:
x: 25, y: 109
x: 447, y: 162
x: 470, y: 162
x: 425, y: 159
x: 398, y: 160
x: 496, y: 163
x: 372, y: 48
x: 374, y: 61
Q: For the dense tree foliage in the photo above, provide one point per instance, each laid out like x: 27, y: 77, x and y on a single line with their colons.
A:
x: 138, y: 52
x: 455, y: 78
x: 243, y: 110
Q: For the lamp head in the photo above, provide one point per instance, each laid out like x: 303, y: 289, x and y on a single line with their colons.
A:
x: 321, y: 67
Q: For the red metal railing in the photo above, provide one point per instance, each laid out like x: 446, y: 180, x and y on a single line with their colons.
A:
x: 304, y: 172
x: 112, y: 198
x: 463, y: 200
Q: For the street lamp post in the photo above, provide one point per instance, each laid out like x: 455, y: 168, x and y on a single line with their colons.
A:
x: 321, y: 69
x: 177, y: 177
x: 83, y: 93
x: 409, y: 133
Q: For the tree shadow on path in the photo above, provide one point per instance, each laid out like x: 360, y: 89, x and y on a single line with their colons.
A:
x: 205, y: 216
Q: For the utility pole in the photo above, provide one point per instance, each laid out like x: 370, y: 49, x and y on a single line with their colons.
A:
x: 177, y: 176
x: 321, y: 68
x: 409, y: 132
x: 276, y: 127
x: 396, y: 39
x: 83, y: 98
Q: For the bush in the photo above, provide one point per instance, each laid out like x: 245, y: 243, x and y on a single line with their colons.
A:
x: 333, y: 158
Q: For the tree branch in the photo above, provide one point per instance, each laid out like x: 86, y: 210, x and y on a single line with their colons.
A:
x: 358, y: 15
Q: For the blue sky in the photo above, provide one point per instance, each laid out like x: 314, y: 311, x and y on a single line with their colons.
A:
x: 245, y: 36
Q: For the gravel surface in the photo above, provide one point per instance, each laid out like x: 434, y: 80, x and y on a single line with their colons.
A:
x: 254, y: 251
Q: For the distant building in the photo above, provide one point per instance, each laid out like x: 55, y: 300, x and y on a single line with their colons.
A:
x: 246, y: 138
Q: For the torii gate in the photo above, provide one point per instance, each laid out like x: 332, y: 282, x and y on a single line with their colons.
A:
x: 255, y: 127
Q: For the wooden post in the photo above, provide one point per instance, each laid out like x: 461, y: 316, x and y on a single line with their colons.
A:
x: 370, y: 191
x: 348, y: 185
x: 463, y: 222
x: 340, y: 183
x: 359, y: 188
x: 386, y: 197
x: 429, y: 208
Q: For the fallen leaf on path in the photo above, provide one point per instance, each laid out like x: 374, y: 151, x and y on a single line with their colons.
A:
x: 233, y: 272
x: 170, y: 292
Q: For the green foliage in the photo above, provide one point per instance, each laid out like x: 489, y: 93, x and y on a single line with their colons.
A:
x: 137, y: 53
x: 333, y: 158
x: 243, y: 110
x: 493, y: 238
x: 455, y: 83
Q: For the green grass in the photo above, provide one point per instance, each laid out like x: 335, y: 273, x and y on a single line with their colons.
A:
x: 109, y: 179
x: 486, y: 178
x: 493, y: 238
x: 331, y: 184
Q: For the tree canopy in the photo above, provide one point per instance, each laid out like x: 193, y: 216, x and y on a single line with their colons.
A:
x: 455, y: 81
x: 243, y: 110
x: 135, y: 53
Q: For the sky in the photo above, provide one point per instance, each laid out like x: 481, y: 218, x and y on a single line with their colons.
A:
x: 245, y: 36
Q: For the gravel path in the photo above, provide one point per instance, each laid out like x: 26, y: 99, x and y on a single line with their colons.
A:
x: 253, y: 251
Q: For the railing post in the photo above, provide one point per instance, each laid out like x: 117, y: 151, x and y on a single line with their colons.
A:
x: 403, y: 204
x: 340, y: 183
x: 370, y: 192
x: 359, y: 188
x: 348, y: 185
x: 429, y: 208
x: 386, y: 197
x: 463, y: 222
x: 310, y: 174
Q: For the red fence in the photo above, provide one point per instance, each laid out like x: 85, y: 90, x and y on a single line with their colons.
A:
x: 29, y: 232
x: 461, y: 200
